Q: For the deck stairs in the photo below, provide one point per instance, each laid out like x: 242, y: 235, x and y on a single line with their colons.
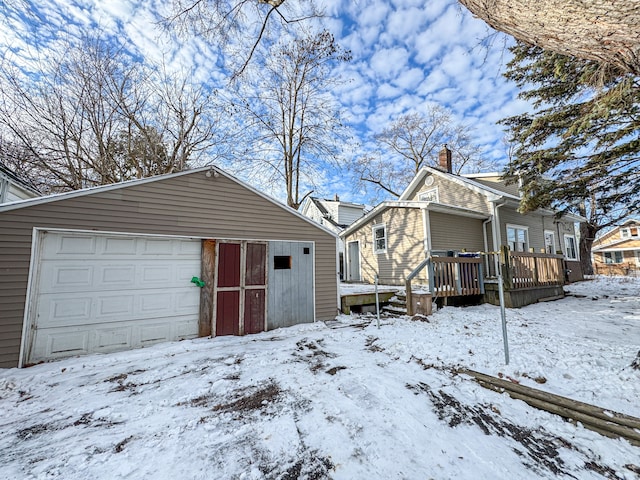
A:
x: 397, y: 306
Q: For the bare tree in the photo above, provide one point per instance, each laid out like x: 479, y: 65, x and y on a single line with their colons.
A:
x: 239, y: 25
x: 411, y: 142
x: 607, y: 31
x: 291, y: 119
x: 94, y: 116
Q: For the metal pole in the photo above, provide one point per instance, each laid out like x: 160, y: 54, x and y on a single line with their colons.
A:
x: 377, y: 303
x: 503, y: 313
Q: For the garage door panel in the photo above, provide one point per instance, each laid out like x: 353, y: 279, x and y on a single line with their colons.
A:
x: 155, y: 303
x: 119, y: 246
x: 74, y: 245
x: 112, y: 339
x: 121, y: 305
x: 117, y: 276
x: 155, y: 333
x: 58, y: 344
x: 102, y: 293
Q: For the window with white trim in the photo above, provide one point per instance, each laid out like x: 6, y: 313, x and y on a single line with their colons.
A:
x: 630, y: 232
x: 613, y: 257
x: 518, y: 238
x: 549, y: 241
x: 430, y: 195
x: 380, y: 238
x: 570, y: 247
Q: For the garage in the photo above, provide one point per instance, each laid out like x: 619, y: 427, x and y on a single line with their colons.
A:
x: 172, y: 257
x: 98, y: 293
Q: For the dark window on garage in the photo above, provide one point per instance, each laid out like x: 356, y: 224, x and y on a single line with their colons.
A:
x: 281, y: 262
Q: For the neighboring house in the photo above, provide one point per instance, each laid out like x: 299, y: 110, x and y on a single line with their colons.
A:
x: 443, y: 214
x: 14, y: 188
x: 617, y: 252
x: 194, y: 253
x: 336, y: 215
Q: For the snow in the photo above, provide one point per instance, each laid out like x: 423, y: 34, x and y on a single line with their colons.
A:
x: 342, y: 400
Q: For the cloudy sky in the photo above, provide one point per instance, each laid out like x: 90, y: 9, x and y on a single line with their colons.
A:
x: 407, y: 54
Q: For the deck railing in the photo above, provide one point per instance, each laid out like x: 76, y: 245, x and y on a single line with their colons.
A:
x: 456, y: 276
x: 463, y: 276
x: 530, y: 270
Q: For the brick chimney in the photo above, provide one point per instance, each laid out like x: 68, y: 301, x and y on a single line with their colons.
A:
x: 444, y: 159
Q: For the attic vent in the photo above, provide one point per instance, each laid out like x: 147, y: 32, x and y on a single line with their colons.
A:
x: 428, y: 181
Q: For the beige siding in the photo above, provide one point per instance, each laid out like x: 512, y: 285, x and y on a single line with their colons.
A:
x: 189, y: 205
x: 498, y: 184
x: 452, y: 232
x: 405, y: 246
x: 452, y: 193
x: 534, y: 223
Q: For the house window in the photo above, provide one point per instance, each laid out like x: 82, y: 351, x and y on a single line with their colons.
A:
x: 612, y: 257
x: 630, y: 232
x: 430, y: 195
x: 549, y: 241
x: 517, y: 238
x: 380, y: 238
x: 570, y: 250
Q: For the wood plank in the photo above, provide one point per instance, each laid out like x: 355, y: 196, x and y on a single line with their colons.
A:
x: 206, y: 292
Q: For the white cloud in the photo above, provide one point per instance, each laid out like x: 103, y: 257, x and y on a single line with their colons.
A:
x: 388, y: 62
x: 409, y: 79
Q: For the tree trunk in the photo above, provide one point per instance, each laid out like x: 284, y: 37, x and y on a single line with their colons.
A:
x: 587, y: 236
x: 607, y: 31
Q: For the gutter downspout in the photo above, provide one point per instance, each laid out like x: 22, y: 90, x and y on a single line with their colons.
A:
x: 486, y: 242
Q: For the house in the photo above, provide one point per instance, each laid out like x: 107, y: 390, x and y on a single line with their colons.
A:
x: 617, y: 252
x: 195, y: 253
x: 14, y: 188
x: 336, y: 215
x: 441, y: 214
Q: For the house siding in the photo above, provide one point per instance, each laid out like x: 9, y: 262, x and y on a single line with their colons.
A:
x: 498, y: 184
x: 190, y: 205
x: 405, y: 246
x: 452, y: 232
x: 535, y: 223
x: 451, y: 193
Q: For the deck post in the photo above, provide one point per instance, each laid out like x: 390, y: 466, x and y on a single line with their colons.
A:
x: 409, y: 298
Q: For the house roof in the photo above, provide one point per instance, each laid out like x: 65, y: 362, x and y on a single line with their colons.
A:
x: 16, y: 179
x: 492, y: 194
x: 115, y: 186
x: 325, y: 213
x: 599, y: 242
x: 431, y: 206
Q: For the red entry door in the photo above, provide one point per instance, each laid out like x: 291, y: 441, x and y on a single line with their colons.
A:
x: 241, y: 288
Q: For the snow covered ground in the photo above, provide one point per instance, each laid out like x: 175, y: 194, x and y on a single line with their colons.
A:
x: 343, y: 401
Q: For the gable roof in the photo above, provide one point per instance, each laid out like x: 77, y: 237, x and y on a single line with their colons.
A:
x: 431, y: 206
x: 116, y: 186
x: 492, y: 194
x: 16, y: 179
x: 601, y: 241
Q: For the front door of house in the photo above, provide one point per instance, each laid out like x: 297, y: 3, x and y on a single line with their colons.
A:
x: 354, y: 261
x: 241, y: 285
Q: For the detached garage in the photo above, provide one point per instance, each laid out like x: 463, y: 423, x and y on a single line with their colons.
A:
x: 123, y: 266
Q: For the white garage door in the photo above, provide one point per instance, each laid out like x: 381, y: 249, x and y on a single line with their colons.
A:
x: 103, y: 293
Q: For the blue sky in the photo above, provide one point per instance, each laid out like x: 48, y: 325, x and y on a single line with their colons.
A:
x: 407, y: 54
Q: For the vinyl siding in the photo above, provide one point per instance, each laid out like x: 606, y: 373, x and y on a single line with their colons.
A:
x: 452, y: 193
x: 534, y: 223
x: 405, y: 246
x: 498, y: 184
x: 348, y: 215
x: 452, y: 232
x: 191, y: 205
